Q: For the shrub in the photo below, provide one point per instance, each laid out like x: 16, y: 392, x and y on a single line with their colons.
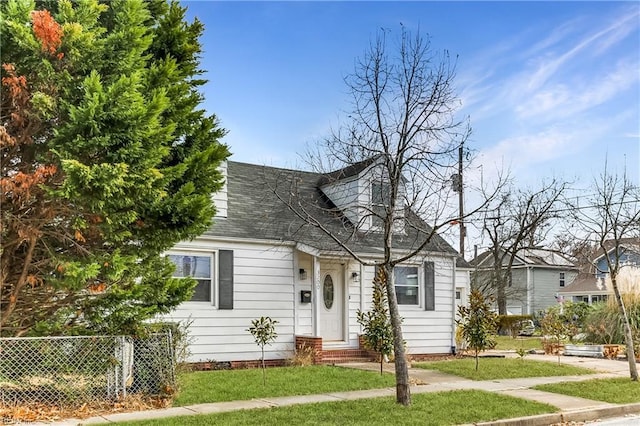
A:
x: 376, y: 325
x: 605, y: 325
x: 303, y: 356
x: 477, y: 322
x: 510, y: 324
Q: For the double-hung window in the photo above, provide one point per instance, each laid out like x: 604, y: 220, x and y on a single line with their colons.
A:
x: 380, y: 196
x: 406, y: 285
x: 562, y: 279
x: 200, y: 267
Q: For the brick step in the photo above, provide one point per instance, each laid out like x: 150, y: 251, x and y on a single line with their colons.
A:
x: 344, y: 360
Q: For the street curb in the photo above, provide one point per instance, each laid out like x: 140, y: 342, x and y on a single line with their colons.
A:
x: 567, y: 416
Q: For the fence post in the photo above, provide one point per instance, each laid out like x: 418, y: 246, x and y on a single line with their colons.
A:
x: 121, y: 361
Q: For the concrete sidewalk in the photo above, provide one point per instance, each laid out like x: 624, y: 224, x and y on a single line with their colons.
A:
x: 572, y: 409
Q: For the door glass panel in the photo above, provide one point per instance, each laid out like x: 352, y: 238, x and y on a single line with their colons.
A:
x: 328, y: 291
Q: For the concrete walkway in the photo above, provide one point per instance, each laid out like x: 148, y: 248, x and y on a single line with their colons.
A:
x: 572, y: 409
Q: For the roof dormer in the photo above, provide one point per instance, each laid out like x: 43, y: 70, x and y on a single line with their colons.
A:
x: 362, y: 192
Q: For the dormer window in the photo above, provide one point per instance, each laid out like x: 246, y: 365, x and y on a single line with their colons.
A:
x: 380, y: 193
x: 380, y: 196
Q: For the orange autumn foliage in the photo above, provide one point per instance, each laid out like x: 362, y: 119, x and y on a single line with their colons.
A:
x: 17, y: 85
x: 48, y: 31
x: 19, y: 185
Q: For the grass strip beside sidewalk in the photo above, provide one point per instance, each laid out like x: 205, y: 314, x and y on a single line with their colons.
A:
x: 441, y: 408
x: 238, y: 385
x: 501, y: 368
x: 619, y: 390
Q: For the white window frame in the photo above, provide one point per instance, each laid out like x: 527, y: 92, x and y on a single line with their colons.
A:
x: 419, y: 286
x: 213, y: 291
x: 562, y: 279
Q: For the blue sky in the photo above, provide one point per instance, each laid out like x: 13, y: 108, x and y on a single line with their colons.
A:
x: 551, y: 88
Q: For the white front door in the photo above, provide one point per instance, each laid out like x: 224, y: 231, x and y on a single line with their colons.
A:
x: 331, y: 305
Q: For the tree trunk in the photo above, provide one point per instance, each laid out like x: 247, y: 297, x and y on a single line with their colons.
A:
x: 501, y: 298
x: 628, y: 336
x: 264, y: 373
x: 403, y: 394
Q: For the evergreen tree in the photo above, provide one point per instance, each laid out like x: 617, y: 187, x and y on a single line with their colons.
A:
x: 107, y: 161
x: 478, y: 323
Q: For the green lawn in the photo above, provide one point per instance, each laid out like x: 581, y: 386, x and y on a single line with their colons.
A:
x: 505, y: 343
x: 442, y: 408
x: 615, y: 391
x: 233, y: 385
x: 502, y: 368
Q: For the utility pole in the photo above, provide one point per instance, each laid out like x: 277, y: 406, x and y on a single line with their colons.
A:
x: 461, y: 199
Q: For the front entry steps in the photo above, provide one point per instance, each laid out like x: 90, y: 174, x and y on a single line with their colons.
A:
x: 338, y: 356
x: 312, y: 346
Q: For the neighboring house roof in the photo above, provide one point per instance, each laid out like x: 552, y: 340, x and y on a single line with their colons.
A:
x: 542, y: 257
x: 626, y: 244
x: 255, y: 212
x: 585, y: 283
x: 528, y: 257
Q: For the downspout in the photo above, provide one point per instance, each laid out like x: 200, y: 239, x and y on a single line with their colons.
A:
x: 295, y: 282
x: 345, y: 298
x: 529, y: 291
x: 453, y: 309
x: 361, y: 290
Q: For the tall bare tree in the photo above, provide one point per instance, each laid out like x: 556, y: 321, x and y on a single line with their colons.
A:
x: 516, y: 220
x: 608, y: 218
x: 403, y: 123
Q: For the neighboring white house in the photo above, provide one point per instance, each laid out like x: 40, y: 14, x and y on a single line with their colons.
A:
x: 259, y: 259
x: 593, y: 285
x: 537, y: 278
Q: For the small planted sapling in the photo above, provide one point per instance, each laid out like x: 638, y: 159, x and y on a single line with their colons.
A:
x: 263, y: 330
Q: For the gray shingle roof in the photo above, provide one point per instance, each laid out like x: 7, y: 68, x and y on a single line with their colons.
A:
x: 585, y: 283
x: 255, y: 212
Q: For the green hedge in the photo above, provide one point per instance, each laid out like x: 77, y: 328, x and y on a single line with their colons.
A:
x: 510, y: 324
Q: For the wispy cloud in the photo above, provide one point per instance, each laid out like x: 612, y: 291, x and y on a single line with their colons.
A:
x: 562, y: 69
x: 572, y: 97
x: 598, y: 42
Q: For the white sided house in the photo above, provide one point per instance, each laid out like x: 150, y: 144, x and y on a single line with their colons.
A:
x: 259, y: 259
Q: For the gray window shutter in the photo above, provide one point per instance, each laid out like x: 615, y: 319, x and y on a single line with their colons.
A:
x: 429, y: 286
x: 225, y: 279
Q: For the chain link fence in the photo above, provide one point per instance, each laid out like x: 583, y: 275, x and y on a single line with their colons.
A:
x: 70, y: 371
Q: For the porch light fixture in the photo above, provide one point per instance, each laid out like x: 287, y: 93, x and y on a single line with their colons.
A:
x: 354, y: 276
x: 303, y: 274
